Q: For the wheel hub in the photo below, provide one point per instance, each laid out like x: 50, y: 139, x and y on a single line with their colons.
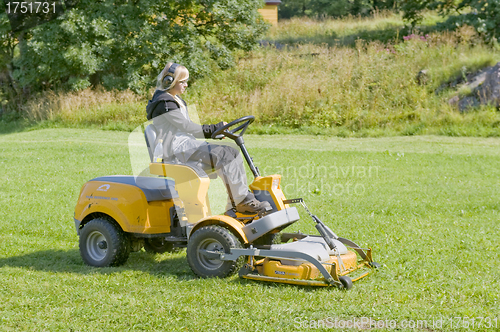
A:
x: 205, y: 260
x: 97, y: 246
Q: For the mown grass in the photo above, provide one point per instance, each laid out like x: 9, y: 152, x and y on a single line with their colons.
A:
x: 428, y: 208
x: 346, y: 77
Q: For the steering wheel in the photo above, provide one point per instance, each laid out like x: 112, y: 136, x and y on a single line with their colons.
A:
x: 233, y: 134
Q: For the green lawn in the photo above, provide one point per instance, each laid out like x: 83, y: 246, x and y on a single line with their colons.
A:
x: 428, y: 206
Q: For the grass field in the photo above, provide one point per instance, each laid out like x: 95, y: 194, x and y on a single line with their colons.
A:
x: 427, y: 205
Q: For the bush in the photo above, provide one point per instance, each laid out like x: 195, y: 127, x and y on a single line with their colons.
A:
x: 484, y: 16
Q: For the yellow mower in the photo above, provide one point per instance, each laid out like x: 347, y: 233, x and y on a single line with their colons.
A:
x: 119, y: 214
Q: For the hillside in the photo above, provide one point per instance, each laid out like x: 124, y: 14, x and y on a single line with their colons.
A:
x: 347, y: 77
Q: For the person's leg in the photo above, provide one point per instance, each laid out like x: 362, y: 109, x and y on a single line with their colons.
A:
x: 228, y: 164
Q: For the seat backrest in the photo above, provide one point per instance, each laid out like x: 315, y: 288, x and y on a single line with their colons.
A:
x: 150, y: 136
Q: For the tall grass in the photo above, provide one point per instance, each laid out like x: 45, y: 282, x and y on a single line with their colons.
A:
x: 348, y: 77
x: 86, y: 107
x: 384, y: 26
x: 368, y: 88
x: 333, y: 32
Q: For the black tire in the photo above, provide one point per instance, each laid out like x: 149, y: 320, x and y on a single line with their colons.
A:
x: 212, y: 238
x: 103, y: 243
x: 158, y: 246
x: 346, y: 282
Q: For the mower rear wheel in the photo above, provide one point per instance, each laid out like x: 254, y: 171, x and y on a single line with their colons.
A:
x: 103, y: 243
x: 158, y: 246
x: 204, y: 243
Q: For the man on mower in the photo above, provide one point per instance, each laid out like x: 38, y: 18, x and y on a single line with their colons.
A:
x: 178, y: 134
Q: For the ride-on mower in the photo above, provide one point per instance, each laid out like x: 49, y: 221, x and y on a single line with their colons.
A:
x: 119, y: 214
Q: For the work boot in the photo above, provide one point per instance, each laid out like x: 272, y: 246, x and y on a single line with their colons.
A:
x: 250, y: 205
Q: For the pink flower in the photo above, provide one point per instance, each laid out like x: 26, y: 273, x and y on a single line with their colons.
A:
x: 414, y: 36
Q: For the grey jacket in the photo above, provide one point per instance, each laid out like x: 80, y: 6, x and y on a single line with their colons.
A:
x: 179, y: 134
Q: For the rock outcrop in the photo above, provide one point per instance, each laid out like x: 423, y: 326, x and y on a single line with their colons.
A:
x: 489, y: 91
x: 485, y: 89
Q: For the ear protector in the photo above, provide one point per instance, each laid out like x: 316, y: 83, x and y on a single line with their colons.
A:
x: 169, y: 77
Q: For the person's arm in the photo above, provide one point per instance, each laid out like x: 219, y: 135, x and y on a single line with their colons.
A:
x: 176, y: 118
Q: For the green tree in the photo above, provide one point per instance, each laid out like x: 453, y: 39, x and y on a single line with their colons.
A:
x: 291, y: 8
x: 332, y: 8
x: 125, y: 43
x: 483, y: 15
x: 340, y: 8
x: 7, y: 46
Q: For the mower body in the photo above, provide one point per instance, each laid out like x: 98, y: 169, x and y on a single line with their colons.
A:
x: 147, y: 207
x: 140, y: 205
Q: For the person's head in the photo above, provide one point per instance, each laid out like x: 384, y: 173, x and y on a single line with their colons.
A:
x: 173, y: 78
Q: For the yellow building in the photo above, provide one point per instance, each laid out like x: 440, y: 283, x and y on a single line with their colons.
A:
x: 270, y: 11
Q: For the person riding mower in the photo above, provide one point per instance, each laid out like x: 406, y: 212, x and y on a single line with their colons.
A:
x: 119, y: 214
x: 116, y: 215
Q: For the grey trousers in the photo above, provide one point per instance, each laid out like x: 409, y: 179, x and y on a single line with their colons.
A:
x: 228, y: 164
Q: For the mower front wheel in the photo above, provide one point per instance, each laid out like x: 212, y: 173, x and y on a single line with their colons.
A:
x: 103, y: 243
x: 207, y: 242
x: 346, y: 282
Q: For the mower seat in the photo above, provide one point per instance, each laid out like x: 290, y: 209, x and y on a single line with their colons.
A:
x: 150, y: 136
x: 200, y: 168
x: 155, y: 189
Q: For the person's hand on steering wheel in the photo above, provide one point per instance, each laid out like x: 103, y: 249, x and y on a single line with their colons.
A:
x: 235, y: 133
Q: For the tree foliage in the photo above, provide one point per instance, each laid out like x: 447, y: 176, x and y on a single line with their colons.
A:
x: 483, y: 15
x: 337, y: 8
x: 125, y: 43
